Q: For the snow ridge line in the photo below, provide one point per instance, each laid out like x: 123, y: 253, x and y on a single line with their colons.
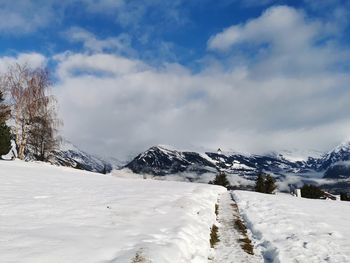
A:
x: 269, y: 252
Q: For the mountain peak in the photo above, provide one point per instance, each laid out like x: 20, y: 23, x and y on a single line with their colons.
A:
x: 343, y: 147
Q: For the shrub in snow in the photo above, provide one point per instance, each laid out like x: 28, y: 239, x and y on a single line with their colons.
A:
x: 139, y: 258
x: 265, y: 184
x: 214, y: 236
x: 311, y: 191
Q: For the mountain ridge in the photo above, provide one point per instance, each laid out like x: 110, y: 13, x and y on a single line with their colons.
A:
x: 160, y: 160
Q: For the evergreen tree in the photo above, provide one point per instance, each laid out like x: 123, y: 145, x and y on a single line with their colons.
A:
x: 221, y: 179
x: 5, y: 139
x: 5, y: 135
x: 265, y: 184
x: 260, y: 184
x: 270, y: 184
x: 4, y: 109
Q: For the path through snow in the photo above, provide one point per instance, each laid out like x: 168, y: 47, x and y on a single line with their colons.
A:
x: 228, y: 249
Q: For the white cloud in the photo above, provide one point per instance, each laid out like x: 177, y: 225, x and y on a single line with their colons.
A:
x: 33, y: 60
x: 284, y: 27
x: 283, y: 40
x: 24, y: 16
x: 119, y: 44
x: 133, y: 106
x: 99, y: 65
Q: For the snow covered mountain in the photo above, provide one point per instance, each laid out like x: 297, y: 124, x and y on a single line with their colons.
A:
x: 337, y: 162
x: 71, y: 156
x: 160, y: 160
x: 163, y: 160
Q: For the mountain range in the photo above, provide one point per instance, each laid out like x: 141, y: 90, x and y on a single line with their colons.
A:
x: 160, y: 161
x: 163, y: 161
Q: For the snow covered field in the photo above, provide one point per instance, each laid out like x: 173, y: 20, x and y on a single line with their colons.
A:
x: 56, y: 214
x: 290, y: 229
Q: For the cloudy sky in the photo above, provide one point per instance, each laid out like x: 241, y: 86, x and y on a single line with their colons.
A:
x: 249, y: 76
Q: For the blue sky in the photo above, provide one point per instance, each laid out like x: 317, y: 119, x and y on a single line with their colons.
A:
x: 157, y: 30
x: 241, y: 75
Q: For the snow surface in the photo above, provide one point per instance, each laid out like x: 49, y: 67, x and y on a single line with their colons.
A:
x: 290, y: 229
x: 58, y: 214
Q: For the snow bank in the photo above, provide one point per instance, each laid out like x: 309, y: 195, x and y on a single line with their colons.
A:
x: 57, y: 214
x: 290, y: 229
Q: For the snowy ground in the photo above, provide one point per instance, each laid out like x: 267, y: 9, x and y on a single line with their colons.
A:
x: 289, y: 229
x: 56, y: 214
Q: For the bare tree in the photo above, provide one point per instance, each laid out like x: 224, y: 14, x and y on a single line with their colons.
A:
x: 44, y: 121
x: 34, y: 110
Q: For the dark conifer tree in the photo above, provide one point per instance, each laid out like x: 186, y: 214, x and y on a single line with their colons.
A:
x: 4, y: 109
x: 5, y: 134
x: 265, y: 184
x: 260, y: 184
x: 270, y: 184
x: 221, y: 179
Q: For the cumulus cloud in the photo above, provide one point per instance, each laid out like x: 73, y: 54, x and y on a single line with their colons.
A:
x: 282, y: 41
x: 284, y: 27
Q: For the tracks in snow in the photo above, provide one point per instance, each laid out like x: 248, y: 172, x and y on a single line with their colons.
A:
x: 228, y: 249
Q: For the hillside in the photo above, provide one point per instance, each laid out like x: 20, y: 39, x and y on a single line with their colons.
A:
x: 58, y: 214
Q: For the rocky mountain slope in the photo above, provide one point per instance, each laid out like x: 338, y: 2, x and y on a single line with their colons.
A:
x: 71, y: 156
